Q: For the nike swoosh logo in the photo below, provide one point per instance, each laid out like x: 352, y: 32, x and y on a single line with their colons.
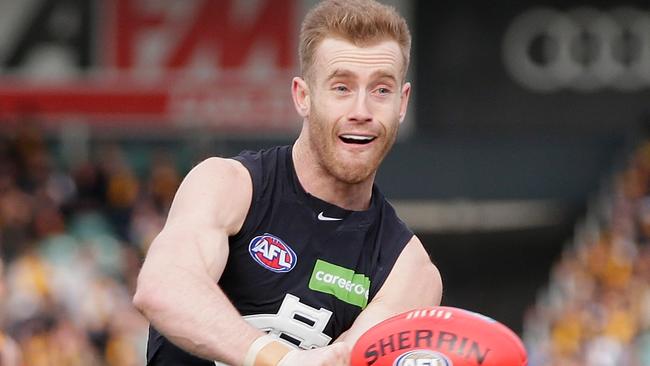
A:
x: 322, y: 217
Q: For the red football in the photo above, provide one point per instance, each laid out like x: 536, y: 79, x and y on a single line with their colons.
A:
x: 439, y: 336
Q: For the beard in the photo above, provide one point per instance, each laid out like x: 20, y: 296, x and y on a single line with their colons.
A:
x: 348, y: 169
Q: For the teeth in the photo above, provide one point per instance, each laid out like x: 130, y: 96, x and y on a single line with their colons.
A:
x: 357, y: 137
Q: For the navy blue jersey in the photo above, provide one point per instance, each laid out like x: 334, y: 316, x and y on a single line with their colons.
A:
x: 300, y: 268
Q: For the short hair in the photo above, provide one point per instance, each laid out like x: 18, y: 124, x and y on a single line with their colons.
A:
x: 361, y: 22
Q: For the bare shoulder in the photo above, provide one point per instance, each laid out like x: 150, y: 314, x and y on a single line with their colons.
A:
x: 216, y: 168
x: 416, y: 255
x: 217, y: 192
x: 414, y: 280
x: 417, y: 258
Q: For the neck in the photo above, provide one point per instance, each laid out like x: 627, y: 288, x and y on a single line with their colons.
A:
x: 318, y: 182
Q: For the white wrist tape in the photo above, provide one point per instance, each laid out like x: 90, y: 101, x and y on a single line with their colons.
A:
x: 255, y: 348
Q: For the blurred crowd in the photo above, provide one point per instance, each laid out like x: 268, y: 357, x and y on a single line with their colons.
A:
x: 72, y: 237
x: 73, y: 233
x: 596, y: 308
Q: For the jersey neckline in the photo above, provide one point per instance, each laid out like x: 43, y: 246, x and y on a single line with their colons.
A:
x: 324, y: 208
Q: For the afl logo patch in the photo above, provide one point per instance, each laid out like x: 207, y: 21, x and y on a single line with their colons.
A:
x: 422, y: 358
x: 272, y: 253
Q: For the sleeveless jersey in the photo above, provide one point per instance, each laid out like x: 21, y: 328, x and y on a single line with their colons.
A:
x: 300, y: 268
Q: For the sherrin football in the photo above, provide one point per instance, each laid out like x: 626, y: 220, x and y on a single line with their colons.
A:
x: 439, y: 336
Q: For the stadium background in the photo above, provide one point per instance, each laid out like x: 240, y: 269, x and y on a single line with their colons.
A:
x: 105, y: 105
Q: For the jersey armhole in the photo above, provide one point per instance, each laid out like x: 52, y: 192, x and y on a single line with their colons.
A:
x: 254, y: 171
x: 402, y: 238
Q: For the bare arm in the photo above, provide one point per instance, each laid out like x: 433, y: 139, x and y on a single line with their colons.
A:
x: 177, y: 287
x: 413, y: 282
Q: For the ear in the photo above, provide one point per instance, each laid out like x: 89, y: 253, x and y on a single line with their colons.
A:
x: 404, y: 101
x: 300, y: 94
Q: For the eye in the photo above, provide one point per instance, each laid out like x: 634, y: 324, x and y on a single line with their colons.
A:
x: 382, y: 91
x: 340, y: 88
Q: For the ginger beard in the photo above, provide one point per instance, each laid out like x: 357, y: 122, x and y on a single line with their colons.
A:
x: 351, y: 167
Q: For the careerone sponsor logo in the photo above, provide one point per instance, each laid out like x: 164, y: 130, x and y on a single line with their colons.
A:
x: 343, y: 283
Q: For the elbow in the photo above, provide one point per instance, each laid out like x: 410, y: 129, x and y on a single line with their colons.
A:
x: 139, y: 299
x: 146, y: 299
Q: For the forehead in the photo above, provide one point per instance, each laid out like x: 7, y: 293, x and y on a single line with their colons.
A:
x: 337, y: 54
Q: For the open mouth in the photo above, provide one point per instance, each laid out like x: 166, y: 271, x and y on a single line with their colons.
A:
x: 356, y: 139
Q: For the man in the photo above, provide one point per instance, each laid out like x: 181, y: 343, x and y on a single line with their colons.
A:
x: 296, y: 239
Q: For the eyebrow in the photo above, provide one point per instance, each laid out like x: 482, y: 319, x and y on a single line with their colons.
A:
x: 343, y: 73
x: 383, y: 74
x: 340, y: 73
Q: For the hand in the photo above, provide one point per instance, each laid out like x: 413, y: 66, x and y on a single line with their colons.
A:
x: 337, y: 354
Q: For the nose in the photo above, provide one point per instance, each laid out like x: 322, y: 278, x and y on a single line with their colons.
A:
x: 360, y: 111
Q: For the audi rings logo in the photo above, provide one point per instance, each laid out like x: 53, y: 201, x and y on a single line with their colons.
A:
x: 583, y: 49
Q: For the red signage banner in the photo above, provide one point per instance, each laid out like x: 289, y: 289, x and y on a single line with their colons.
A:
x: 223, y: 64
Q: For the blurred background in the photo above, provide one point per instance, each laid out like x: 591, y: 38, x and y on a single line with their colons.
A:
x: 523, y: 164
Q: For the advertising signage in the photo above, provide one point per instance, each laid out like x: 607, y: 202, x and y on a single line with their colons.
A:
x: 535, y: 66
x: 224, y: 65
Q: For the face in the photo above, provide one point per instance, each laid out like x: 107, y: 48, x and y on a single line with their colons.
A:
x: 353, y: 104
